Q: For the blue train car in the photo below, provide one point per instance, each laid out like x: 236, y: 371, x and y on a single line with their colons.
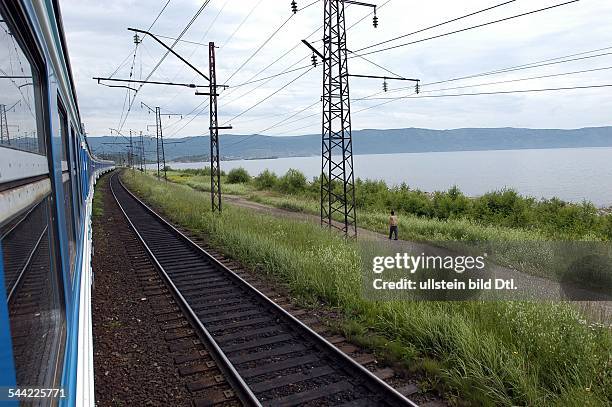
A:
x: 47, y: 174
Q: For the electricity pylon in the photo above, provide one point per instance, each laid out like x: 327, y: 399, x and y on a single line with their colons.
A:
x: 337, y: 175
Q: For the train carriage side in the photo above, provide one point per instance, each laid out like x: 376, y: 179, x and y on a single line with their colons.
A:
x: 47, y: 174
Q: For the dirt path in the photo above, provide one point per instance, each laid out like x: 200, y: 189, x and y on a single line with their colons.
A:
x: 528, y: 286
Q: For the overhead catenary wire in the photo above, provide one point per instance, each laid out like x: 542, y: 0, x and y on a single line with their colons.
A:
x: 252, y: 80
x: 261, y: 46
x: 267, y: 97
x: 151, y: 26
x: 185, y: 29
x: 225, y: 94
x: 275, y: 125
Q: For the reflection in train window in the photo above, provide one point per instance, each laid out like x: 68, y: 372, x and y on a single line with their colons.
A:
x: 67, y: 181
x: 18, y: 128
x: 75, y: 173
x: 34, y: 298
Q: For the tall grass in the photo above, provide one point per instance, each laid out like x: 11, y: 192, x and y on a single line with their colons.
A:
x: 491, y: 354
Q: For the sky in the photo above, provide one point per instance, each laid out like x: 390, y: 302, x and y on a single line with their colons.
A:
x: 98, y: 43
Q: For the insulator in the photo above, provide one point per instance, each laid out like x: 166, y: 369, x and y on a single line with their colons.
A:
x: 375, y: 21
x: 314, y: 59
x: 417, y: 88
x: 385, y: 86
x: 294, y: 7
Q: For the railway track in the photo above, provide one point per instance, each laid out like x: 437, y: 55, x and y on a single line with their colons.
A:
x: 268, y: 356
x: 34, y: 311
x: 20, y: 241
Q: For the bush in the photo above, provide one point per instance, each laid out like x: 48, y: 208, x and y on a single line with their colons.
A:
x: 452, y: 204
x: 238, y: 176
x: 266, y: 180
x: 292, y: 182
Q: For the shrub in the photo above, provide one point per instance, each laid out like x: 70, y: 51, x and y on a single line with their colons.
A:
x: 197, y: 171
x: 266, y: 180
x: 292, y: 182
x: 452, y: 204
x: 238, y: 176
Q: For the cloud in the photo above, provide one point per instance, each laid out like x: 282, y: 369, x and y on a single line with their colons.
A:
x: 98, y: 42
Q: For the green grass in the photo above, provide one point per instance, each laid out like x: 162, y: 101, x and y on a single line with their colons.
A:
x: 98, y: 202
x: 530, y: 250
x: 491, y: 354
x: 202, y: 183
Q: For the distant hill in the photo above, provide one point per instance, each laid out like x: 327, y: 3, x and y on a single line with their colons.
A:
x: 410, y: 140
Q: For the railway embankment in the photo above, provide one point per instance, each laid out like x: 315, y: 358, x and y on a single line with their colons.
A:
x: 492, y: 353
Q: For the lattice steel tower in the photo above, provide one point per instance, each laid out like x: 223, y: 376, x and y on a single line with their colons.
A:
x: 215, y: 169
x: 160, y: 143
x: 4, y: 129
x: 337, y: 177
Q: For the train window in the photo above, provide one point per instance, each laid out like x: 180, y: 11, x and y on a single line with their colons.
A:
x: 67, y: 181
x: 74, y: 168
x: 18, y: 125
x: 32, y: 284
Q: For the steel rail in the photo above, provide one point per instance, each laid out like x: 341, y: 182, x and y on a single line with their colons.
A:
x: 382, y: 387
x: 236, y: 381
x: 26, y: 265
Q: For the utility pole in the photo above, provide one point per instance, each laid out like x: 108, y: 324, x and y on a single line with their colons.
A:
x: 213, y: 127
x: 4, y: 131
x: 160, y: 135
x: 143, y: 166
x: 337, y: 175
x: 131, y: 153
x: 161, y: 153
x: 215, y: 167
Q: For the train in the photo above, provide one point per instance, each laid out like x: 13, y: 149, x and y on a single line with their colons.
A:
x: 47, y: 178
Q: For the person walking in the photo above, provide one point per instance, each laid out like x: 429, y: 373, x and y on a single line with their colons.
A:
x: 393, y: 225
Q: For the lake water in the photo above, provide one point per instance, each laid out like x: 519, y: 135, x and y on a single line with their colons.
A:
x: 572, y: 174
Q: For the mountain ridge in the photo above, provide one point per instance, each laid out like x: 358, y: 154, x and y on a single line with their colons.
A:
x: 369, y: 141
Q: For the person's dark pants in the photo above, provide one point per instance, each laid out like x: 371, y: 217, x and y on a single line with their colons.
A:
x: 393, y: 232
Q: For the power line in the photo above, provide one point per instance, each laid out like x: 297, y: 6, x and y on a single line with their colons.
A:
x: 390, y: 100
x: 275, y: 125
x: 494, y: 93
x: 290, y: 117
x: 130, y: 54
x: 269, y: 96
x: 240, y: 25
x: 436, y: 25
x: 193, y: 19
x: 375, y: 64
x: 518, y: 80
x: 468, y: 28
x: 526, y: 66
x: 267, y: 40
x: 267, y: 79
x: 284, y: 72
x: 250, y: 80
x: 288, y: 70
x: 536, y: 64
